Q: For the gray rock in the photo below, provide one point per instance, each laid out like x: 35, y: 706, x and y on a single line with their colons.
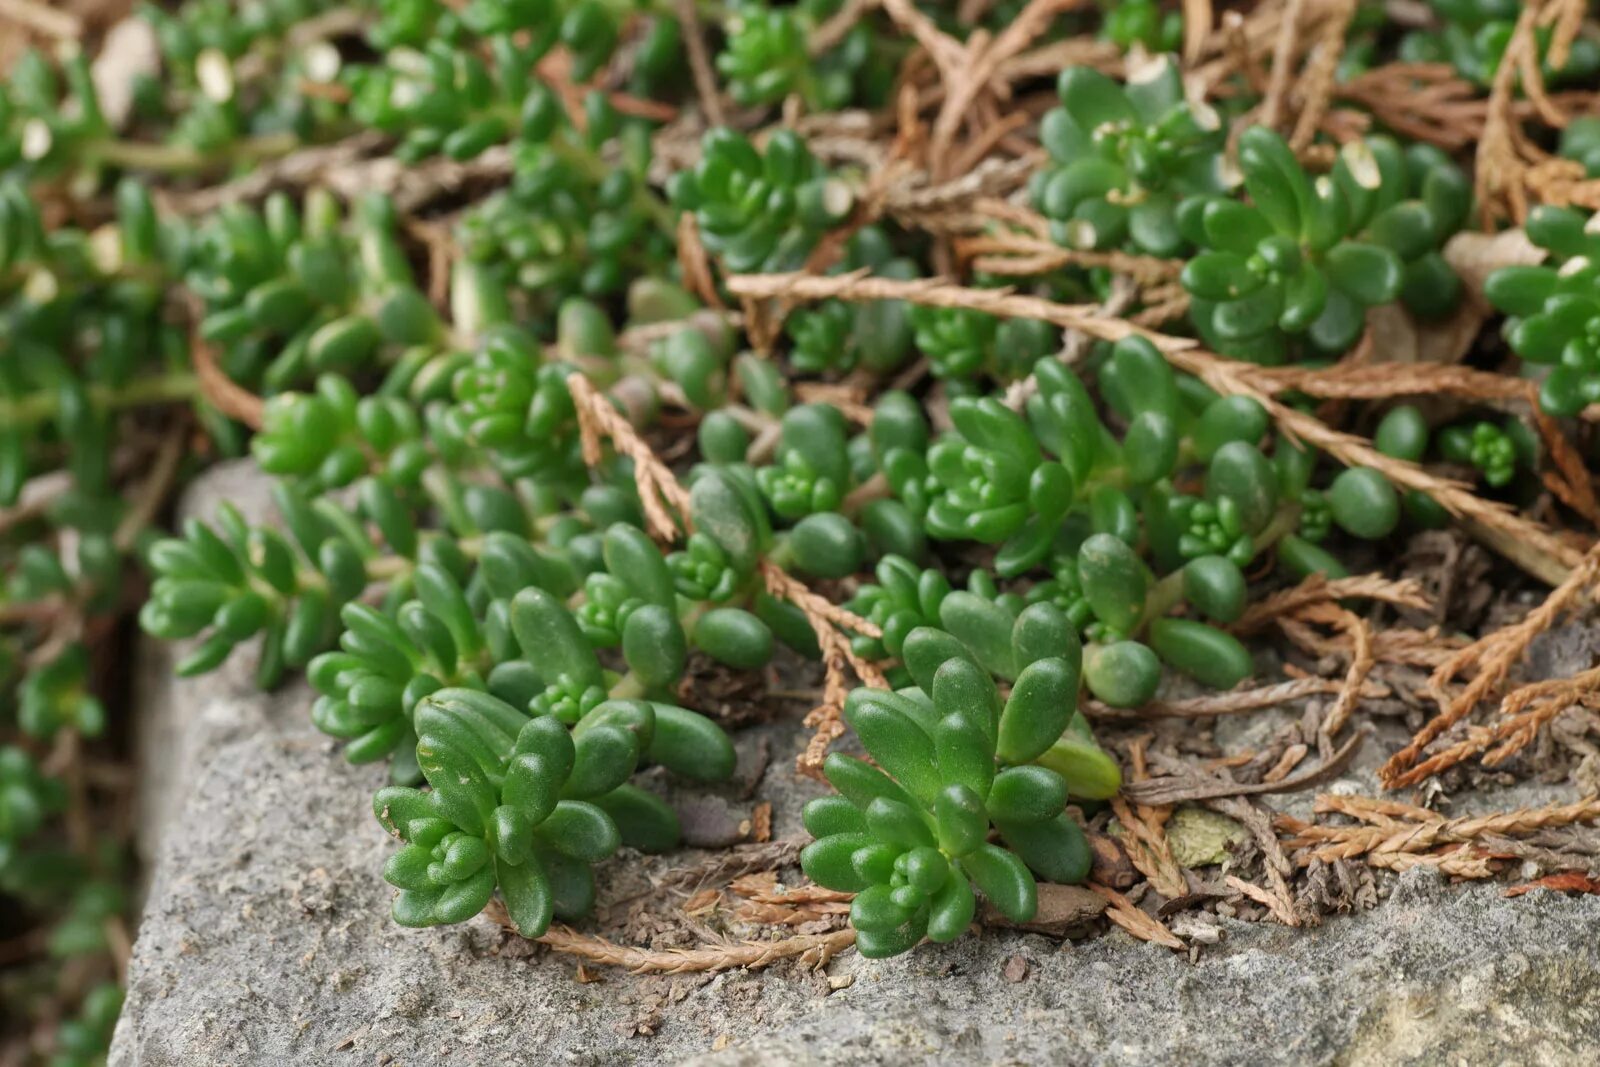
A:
x: 266, y: 940
x: 1432, y: 976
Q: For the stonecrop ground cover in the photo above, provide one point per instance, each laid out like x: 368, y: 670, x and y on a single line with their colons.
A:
x: 1008, y: 359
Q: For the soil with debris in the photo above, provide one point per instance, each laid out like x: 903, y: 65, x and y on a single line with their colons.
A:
x: 266, y: 936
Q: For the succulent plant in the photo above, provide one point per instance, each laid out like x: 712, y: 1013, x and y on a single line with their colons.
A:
x: 501, y: 600
x: 1472, y: 35
x: 1288, y: 265
x: 910, y: 836
x: 1124, y: 156
x: 1552, y: 319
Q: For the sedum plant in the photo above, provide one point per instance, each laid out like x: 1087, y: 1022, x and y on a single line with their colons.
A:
x: 295, y: 293
x: 1288, y: 266
x: 1472, y: 35
x: 1122, y: 157
x: 1580, y: 142
x: 761, y: 209
x: 1422, y: 199
x: 522, y: 806
x: 1122, y: 546
x: 910, y: 836
x: 490, y: 612
x: 1141, y: 23
x: 1552, y: 319
x: 1496, y: 452
x: 765, y: 58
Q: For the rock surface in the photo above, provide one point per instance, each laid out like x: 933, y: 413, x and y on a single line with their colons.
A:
x: 266, y: 940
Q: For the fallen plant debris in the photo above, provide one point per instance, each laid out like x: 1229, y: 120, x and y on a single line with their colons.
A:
x: 1565, y: 882
x: 1031, y: 392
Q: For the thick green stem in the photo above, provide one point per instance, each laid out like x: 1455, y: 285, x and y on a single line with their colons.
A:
x: 1169, y: 590
x: 183, y: 159
x: 384, y: 568
x: 628, y: 687
x: 169, y: 388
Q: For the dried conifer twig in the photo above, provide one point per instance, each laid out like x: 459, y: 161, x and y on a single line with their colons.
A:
x: 1283, y: 55
x: 1379, y: 381
x: 1384, y: 843
x: 1494, y: 655
x: 1271, y: 902
x: 1573, y: 483
x: 832, y: 32
x: 1123, y: 912
x: 752, y: 955
x: 1381, y: 811
x: 1316, y: 83
x: 1148, y: 848
x: 1523, y: 713
x: 1361, y: 663
x: 658, y: 489
x: 1197, y: 23
x: 1234, y: 702
x: 1318, y: 589
x: 43, y: 18
x: 696, y: 265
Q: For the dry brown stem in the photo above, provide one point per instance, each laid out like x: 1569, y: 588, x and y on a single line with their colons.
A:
x: 221, y: 391
x: 837, y: 656
x: 1378, y: 381
x: 696, y: 265
x: 766, y: 901
x: 1233, y: 702
x: 1361, y: 664
x: 1503, y: 151
x: 297, y: 170
x: 1012, y: 253
x: 1381, y: 811
x: 1177, y: 789
x: 42, y: 18
x: 705, y: 79
x: 1523, y: 713
x: 1317, y: 81
x: 966, y: 70
x: 1459, y: 862
x: 1424, y: 101
x: 932, y: 292
x: 1570, y: 479
x: 1123, y: 912
x: 1050, y: 59
x: 1283, y: 55
x: 828, y: 36
x: 763, y: 887
x: 1518, y: 823
x: 1197, y: 23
